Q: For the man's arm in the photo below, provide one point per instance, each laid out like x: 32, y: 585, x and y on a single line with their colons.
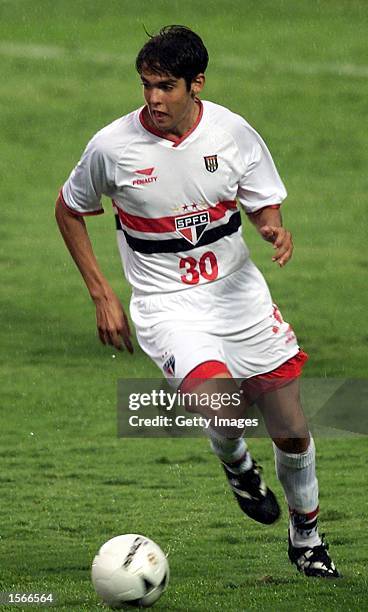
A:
x: 268, y: 222
x: 112, y: 323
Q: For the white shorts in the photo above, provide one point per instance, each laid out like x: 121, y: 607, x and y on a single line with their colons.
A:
x: 232, y: 320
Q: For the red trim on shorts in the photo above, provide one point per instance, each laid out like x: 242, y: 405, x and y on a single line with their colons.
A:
x: 279, y: 377
x: 156, y: 132
x: 167, y: 224
x: 205, y: 370
x: 308, y: 515
x: 75, y: 212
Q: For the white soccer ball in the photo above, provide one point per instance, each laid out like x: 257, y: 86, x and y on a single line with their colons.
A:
x: 131, y: 570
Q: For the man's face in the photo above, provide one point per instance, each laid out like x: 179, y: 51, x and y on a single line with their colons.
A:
x: 170, y: 104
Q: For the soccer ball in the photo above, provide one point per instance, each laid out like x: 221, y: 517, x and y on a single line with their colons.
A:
x: 130, y: 570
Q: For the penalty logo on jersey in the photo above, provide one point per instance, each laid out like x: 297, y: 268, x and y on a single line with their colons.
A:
x: 191, y: 227
x: 211, y: 163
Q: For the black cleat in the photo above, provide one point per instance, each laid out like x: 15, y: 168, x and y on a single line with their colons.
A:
x: 252, y: 494
x: 313, y: 561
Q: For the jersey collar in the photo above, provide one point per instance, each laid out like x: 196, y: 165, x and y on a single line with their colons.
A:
x: 177, y: 141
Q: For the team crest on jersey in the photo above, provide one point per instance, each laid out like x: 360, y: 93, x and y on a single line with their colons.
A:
x: 169, y: 366
x: 211, y: 163
x: 192, y: 226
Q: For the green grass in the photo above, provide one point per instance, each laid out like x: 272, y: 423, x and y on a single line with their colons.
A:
x: 67, y: 483
x: 77, y: 490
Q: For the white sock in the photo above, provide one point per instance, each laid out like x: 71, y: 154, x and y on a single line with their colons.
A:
x: 232, y: 451
x: 297, y: 474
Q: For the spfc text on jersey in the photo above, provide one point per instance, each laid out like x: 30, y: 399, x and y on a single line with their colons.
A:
x: 191, y: 227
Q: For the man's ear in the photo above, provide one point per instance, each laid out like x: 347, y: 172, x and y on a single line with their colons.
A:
x: 197, y: 84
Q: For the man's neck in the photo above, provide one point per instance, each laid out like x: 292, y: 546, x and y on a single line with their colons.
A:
x: 184, y: 126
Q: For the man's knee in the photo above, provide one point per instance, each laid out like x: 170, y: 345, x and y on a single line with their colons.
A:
x: 293, y: 444
x: 216, y: 398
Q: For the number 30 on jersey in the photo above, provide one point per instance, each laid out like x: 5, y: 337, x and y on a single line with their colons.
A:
x: 206, y: 267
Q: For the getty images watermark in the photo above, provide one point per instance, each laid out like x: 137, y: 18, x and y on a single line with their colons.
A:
x: 172, y: 402
x: 153, y: 408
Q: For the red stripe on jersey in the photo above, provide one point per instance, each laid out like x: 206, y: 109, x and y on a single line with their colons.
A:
x: 203, y: 371
x: 167, y: 224
x: 76, y: 212
x: 263, y: 383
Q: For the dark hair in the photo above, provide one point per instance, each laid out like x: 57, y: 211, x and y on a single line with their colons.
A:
x: 175, y: 50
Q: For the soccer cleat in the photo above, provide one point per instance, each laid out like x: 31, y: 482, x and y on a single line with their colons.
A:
x: 313, y: 561
x: 252, y: 494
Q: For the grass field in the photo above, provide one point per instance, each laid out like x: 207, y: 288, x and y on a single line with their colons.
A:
x: 298, y: 72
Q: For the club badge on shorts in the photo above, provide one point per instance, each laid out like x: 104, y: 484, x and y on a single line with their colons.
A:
x: 211, y: 163
x: 169, y: 366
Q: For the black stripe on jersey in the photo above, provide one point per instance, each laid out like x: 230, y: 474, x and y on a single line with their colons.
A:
x: 175, y: 245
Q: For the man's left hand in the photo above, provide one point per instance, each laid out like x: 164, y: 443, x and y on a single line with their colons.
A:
x: 282, y: 242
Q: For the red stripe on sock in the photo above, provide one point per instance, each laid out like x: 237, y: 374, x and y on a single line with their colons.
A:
x: 308, y: 516
x: 238, y: 462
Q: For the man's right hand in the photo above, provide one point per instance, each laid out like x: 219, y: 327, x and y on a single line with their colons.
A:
x: 112, y: 322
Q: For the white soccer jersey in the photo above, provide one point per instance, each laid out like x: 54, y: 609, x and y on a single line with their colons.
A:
x: 177, y: 218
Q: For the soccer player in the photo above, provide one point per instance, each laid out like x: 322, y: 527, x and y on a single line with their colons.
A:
x: 176, y: 171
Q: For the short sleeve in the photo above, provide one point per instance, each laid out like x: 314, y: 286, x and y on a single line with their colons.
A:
x: 260, y: 184
x: 91, y: 178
